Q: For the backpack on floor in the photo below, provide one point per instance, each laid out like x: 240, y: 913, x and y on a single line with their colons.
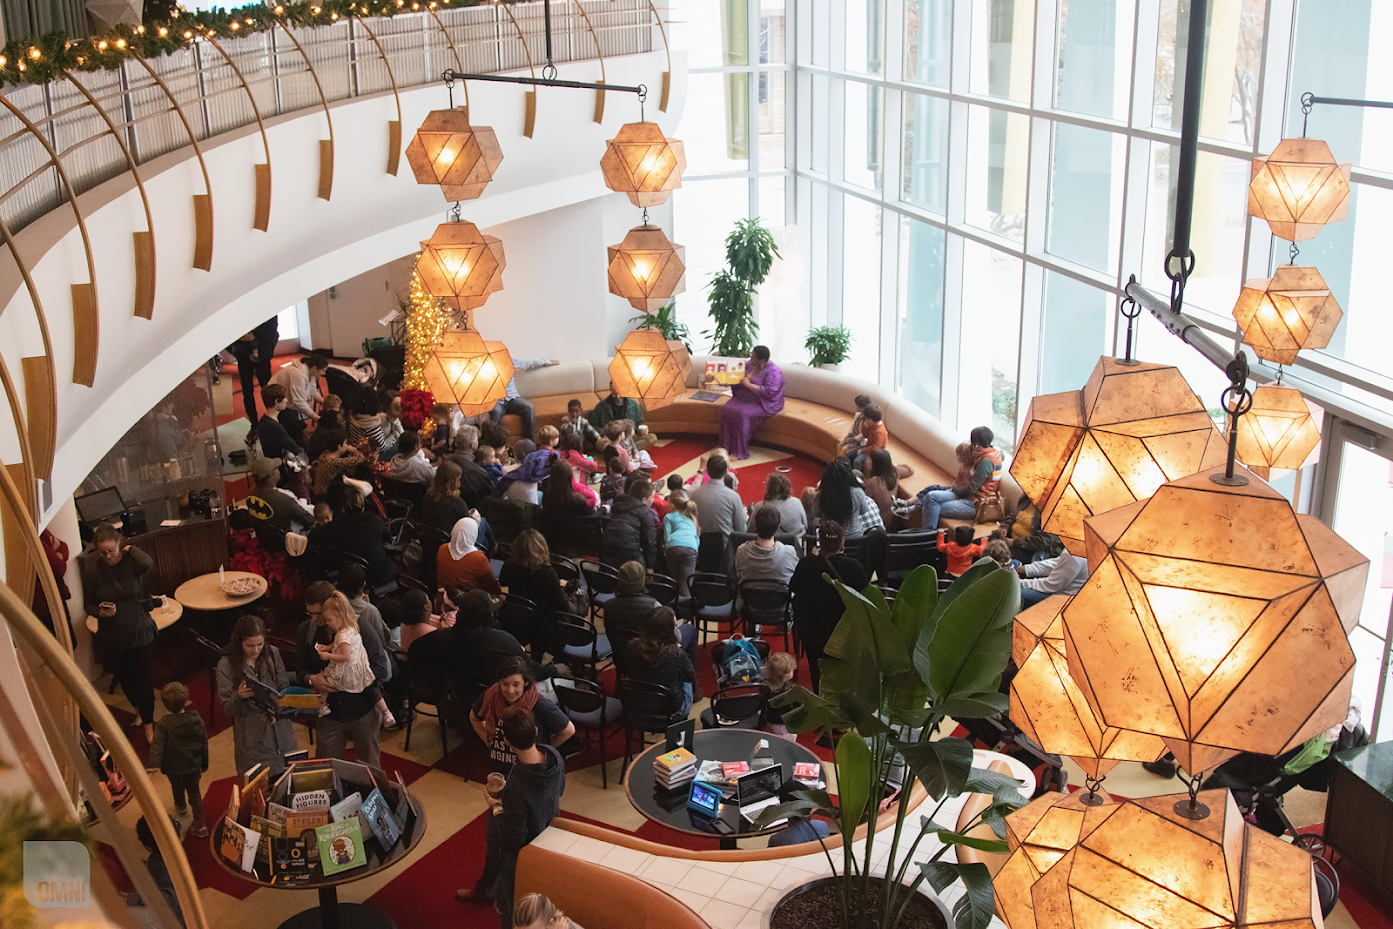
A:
x: 740, y: 664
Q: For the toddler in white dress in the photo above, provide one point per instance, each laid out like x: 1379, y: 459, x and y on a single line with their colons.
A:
x: 348, y: 670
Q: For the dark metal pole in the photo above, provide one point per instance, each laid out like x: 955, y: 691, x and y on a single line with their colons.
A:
x: 546, y: 16
x: 1189, y: 130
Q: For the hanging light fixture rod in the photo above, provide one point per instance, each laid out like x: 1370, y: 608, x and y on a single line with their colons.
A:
x: 1309, y: 100
x: 448, y: 76
x: 1180, y: 325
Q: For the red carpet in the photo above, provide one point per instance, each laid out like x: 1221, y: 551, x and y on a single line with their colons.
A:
x: 804, y: 472
x: 1369, y: 907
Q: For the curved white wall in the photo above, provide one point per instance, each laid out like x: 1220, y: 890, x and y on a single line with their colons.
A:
x: 311, y: 244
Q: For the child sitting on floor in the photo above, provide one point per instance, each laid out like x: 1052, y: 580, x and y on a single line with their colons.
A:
x: 638, y: 457
x: 962, y: 551
x: 701, y: 478
x: 612, y: 485
x: 614, y: 434
x: 348, y: 670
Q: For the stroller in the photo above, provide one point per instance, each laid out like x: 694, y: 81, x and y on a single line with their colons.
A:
x: 1258, y: 784
x: 351, y: 384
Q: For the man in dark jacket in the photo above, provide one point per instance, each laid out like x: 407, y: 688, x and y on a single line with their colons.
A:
x: 629, y: 607
x: 616, y: 407
x: 632, y: 532
x: 360, y: 532
x: 530, y: 800
x: 352, y: 717
x: 471, y: 652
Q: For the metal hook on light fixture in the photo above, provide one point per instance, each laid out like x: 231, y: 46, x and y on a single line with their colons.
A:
x: 1191, y: 808
x: 1130, y: 310
x: 1308, y: 100
x: 1236, y: 400
x: 1093, y: 797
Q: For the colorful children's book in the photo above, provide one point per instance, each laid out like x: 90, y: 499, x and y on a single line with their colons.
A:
x: 280, y: 705
x: 307, y: 777
x: 290, y: 860
x: 277, y: 813
x: 310, y: 800
x: 341, y: 846
x: 380, y: 820
x: 238, y: 846
x: 268, y: 830
x: 255, y: 790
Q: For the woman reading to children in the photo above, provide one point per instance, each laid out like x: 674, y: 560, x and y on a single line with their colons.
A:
x: 758, y: 396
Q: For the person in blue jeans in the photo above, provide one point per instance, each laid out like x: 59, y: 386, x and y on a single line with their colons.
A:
x: 957, y: 502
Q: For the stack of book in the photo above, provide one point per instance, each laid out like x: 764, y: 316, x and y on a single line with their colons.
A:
x: 675, y: 769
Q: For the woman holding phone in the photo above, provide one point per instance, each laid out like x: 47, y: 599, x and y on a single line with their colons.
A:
x: 113, y: 591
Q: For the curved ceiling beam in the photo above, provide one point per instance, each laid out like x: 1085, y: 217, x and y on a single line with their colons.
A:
x: 41, y: 641
x: 85, y: 315
x: 529, y: 119
x: 29, y: 531
x: 202, y: 203
x: 144, y: 241
x: 459, y: 65
x: 599, y: 94
x: 393, y: 128
x: 667, y: 47
x: 43, y: 462
x: 326, y: 148
x: 262, y: 220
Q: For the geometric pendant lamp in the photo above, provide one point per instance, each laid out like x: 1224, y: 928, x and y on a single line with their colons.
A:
x: 646, y: 269
x: 465, y: 369
x: 1281, y: 430
x: 461, y: 265
x: 1292, y: 311
x: 461, y: 158
x: 1128, y: 431
x: 1205, y: 606
x: 1051, y: 710
x: 1039, y: 835
x: 650, y: 368
x: 1142, y: 865
x: 1299, y: 188
x: 642, y: 163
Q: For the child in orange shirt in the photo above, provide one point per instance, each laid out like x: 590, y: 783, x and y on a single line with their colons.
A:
x: 873, y: 434
x: 962, y: 551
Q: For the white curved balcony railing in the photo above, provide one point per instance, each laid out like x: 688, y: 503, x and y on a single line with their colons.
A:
x: 192, y: 95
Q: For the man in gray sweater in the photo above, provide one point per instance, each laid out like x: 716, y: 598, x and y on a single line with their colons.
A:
x: 762, y: 558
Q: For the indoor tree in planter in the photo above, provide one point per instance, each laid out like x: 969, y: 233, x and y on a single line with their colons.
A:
x: 750, y: 253
x: 665, y: 321
x: 890, y: 677
x: 828, y: 345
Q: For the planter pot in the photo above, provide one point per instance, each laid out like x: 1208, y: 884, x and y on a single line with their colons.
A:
x: 835, y: 367
x: 828, y: 885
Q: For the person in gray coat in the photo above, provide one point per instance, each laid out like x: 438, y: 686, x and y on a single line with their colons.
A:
x: 256, y: 736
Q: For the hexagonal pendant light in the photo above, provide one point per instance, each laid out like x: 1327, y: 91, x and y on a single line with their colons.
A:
x: 1039, y: 835
x: 1281, y: 430
x: 1051, y: 710
x: 1131, y: 429
x: 1292, y: 311
x: 651, y: 368
x: 1203, y: 604
x: 469, y: 371
x: 447, y: 151
x: 1139, y: 864
x: 1298, y: 189
x: 461, y: 265
x: 646, y: 269
x: 642, y: 163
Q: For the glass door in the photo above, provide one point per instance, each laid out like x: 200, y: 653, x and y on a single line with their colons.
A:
x: 1362, y: 513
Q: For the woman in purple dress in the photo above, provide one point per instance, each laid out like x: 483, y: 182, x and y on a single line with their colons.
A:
x: 758, y: 396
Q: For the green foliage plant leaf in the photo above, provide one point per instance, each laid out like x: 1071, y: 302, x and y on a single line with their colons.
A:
x: 914, y: 605
x: 828, y: 345
x: 732, y: 310
x: 665, y: 321
x: 750, y: 252
x: 805, y: 711
x: 975, y: 909
x: 972, y: 641
x: 854, y: 779
x: 973, y: 706
x: 942, y: 766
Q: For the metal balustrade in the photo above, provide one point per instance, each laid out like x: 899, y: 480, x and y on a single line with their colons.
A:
x: 346, y: 57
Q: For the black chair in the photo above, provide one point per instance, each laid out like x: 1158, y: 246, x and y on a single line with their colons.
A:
x: 431, y: 539
x: 662, y: 588
x: 411, y: 583
x: 713, y: 603
x: 713, y: 554
x: 521, y: 617
x: 432, y: 687
x: 602, y: 583
x: 575, y: 536
x: 509, y: 518
x: 855, y: 548
x: 909, y: 550
x: 586, y: 705
x: 566, y: 569
x: 647, y: 708
x: 766, y: 604
x: 737, y: 539
x: 580, y: 643
x: 740, y: 706
x: 210, y: 654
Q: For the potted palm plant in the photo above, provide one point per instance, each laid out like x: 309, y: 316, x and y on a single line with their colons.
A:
x: 891, y: 676
x: 750, y: 253
x: 666, y: 322
x: 828, y: 346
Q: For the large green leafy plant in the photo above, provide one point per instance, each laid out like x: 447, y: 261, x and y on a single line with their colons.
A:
x: 666, y: 322
x: 828, y: 345
x: 750, y: 253
x: 891, y: 676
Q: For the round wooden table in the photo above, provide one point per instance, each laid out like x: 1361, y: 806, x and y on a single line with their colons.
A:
x: 205, y: 592
x: 669, y: 808
x: 162, y: 619
x: 330, y: 913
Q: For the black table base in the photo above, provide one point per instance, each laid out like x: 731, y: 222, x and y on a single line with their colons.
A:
x: 331, y: 914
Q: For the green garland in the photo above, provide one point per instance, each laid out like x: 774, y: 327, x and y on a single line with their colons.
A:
x: 43, y: 60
